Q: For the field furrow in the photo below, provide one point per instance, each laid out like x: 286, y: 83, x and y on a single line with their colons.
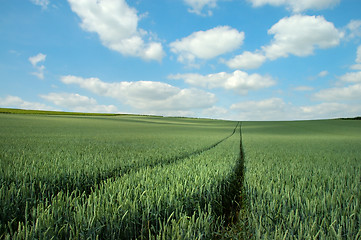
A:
x: 148, y: 203
x: 24, y: 192
x: 142, y: 177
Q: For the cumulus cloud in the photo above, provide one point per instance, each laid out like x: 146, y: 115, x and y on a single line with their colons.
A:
x: 216, y: 112
x: 247, y: 60
x: 277, y: 109
x: 117, y: 26
x: 34, y: 60
x: 266, y: 109
x: 297, y: 5
x: 238, y: 81
x: 146, y: 95
x: 37, y: 58
x: 357, y: 66
x: 43, y: 3
x: 352, y: 92
x: 329, y: 110
x: 207, y: 44
x: 78, y: 103
x: 17, y: 102
x: 352, y: 77
x: 353, y: 29
x: 299, y: 35
x: 267, y: 104
x: 198, y: 5
x: 358, y: 57
x: 323, y: 108
x: 341, y: 101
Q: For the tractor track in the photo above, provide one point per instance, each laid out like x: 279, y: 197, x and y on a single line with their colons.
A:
x: 17, y: 212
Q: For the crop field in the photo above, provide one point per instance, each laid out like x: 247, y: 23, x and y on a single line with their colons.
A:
x: 116, y: 177
x: 83, y: 176
x: 303, y: 179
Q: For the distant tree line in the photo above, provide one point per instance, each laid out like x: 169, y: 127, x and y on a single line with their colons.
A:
x: 355, y: 118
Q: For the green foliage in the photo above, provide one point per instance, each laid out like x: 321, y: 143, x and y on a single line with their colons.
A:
x: 303, y: 179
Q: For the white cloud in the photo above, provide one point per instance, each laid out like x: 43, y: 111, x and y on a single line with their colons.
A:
x: 40, y: 73
x: 353, y: 29
x: 246, y: 60
x: 322, y: 108
x: 358, y: 57
x: 341, y: 101
x: 352, y: 92
x: 352, y: 77
x: 303, y: 88
x: 78, y: 103
x: 198, y: 5
x: 331, y: 110
x: 215, y: 112
x: 17, y: 102
x: 34, y: 60
x: 300, y: 35
x: 267, y: 109
x: 297, y: 35
x: 37, y: 58
x: 356, y: 67
x: 276, y: 109
x: 117, y: 26
x: 297, y: 5
x: 146, y: 95
x: 267, y: 104
x: 238, y: 81
x: 207, y: 44
x: 187, y: 99
x: 323, y: 73
x: 43, y: 3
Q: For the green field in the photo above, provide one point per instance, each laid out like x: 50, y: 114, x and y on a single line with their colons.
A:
x: 303, y: 179
x: 116, y: 177
x: 84, y: 176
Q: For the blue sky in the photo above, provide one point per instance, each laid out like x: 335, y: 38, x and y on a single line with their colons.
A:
x: 228, y: 59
